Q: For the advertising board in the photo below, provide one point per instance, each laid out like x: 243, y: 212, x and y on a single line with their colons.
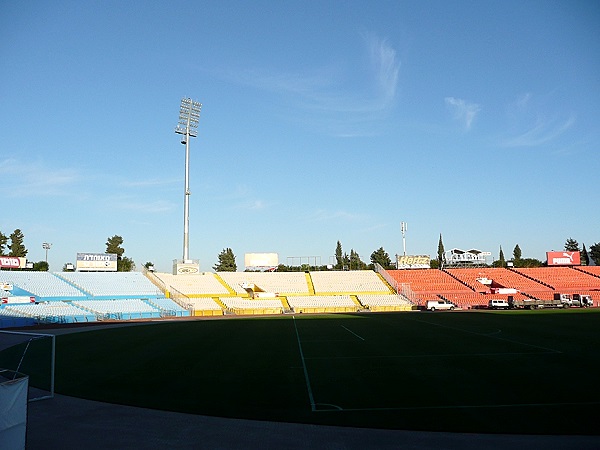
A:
x: 413, y: 261
x: 261, y: 259
x: 563, y: 258
x: 12, y: 262
x: 96, y: 262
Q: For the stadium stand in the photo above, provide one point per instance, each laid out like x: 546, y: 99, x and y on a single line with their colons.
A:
x: 485, y: 279
x: 241, y: 305
x: 592, y: 270
x: 75, y: 297
x: 122, y: 309
x: 383, y: 302
x: 284, y: 283
x: 563, y: 279
x: 168, y: 307
x: 44, y: 285
x: 112, y: 284
x: 50, y: 312
x: 204, y: 306
x: 206, y: 283
x: 322, y: 304
x: 429, y: 284
x: 349, y: 282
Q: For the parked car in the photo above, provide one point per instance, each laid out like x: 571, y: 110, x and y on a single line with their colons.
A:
x: 432, y: 305
x: 498, y: 304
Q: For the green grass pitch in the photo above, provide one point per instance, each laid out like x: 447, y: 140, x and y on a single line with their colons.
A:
x: 497, y: 372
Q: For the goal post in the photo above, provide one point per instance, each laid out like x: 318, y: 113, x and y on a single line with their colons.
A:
x: 33, y: 354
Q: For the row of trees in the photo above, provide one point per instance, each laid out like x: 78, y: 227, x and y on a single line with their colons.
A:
x: 17, y: 248
x: 571, y: 245
x: 344, y: 261
x: 352, y: 261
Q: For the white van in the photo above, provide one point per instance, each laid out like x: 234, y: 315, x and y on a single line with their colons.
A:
x: 498, y: 304
x: 432, y: 305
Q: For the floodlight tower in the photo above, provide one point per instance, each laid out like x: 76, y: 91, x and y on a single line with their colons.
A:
x: 189, y: 115
x: 46, y: 246
x: 403, y: 228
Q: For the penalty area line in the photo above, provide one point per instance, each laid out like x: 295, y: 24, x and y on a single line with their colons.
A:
x: 352, y: 332
x: 311, y: 397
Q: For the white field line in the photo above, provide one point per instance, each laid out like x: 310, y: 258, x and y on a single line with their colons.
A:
x: 491, y: 336
x: 436, y: 355
x: 306, y: 379
x: 350, y: 331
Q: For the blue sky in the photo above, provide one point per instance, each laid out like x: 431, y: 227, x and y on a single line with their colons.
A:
x: 321, y: 121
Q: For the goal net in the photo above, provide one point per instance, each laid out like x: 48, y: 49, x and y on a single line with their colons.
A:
x: 32, y: 354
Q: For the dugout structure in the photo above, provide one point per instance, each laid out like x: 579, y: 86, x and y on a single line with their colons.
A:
x: 32, y: 354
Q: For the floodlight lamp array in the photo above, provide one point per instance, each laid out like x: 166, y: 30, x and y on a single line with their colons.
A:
x: 189, y: 117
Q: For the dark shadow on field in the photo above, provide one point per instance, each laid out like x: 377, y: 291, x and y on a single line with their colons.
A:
x: 252, y: 368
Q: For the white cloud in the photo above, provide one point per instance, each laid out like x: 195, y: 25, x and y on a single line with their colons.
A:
x: 36, y: 179
x: 542, y: 132
x: 462, y: 110
x: 386, y: 65
x: 318, y: 98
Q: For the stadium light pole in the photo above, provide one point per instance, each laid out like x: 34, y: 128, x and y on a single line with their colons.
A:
x: 403, y: 228
x: 189, y: 116
x: 46, y: 246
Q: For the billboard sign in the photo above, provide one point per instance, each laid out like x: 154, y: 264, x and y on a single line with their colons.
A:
x: 413, y: 262
x: 563, y: 258
x: 12, y: 262
x: 96, y: 262
x: 261, y: 259
x: 457, y: 256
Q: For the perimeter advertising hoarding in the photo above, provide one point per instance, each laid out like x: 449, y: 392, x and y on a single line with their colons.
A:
x: 563, y: 258
x: 261, y: 259
x: 12, y: 262
x: 96, y: 262
x: 413, y: 262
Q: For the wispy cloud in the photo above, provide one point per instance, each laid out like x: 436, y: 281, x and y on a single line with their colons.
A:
x: 319, y: 98
x: 542, y: 132
x: 462, y: 110
x: 36, y: 178
x: 386, y: 65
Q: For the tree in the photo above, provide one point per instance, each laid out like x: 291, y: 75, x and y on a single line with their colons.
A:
x: 226, y: 261
x: 585, y: 258
x: 125, y: 264
x: 338, y: 256
x: 501, y: 262
x: 113, y: 245
x: 41, y: 266
x: 595, y: 253
x: 530, y: 262
x: 355, y: 262
x: 381, y: 257
x: 517, y: 255
x: 571, y: 245
x: 441, y: 254
x: 3, y: 244
x: 16, y: 244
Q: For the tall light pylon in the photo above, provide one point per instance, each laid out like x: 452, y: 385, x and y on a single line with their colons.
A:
x: 403, y: 228
x: 189, y: 116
